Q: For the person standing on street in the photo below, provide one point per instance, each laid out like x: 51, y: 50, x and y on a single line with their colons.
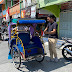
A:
x: 51, y: 30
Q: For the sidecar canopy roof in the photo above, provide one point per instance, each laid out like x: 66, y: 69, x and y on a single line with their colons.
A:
x: 31, y: 21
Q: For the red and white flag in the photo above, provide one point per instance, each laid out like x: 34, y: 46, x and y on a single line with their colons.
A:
x: 7, y: 15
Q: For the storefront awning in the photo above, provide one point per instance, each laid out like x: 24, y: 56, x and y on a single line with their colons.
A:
x: 44, y: 3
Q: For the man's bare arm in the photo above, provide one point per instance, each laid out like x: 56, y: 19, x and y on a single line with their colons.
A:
x: 52, y: 32
x: 45, y: 29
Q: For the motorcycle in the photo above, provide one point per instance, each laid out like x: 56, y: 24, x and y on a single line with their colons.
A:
x: 67, y: 48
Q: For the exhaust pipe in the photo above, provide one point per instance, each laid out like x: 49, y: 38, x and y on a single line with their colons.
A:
x: 68, y: 50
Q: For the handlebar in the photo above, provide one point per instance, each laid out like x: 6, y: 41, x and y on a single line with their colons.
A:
x: 67, y: 39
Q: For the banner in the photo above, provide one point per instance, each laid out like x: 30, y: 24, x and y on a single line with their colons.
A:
x: 23, y: 13
x: 7, y: 15
x: 28, y: 13
x: 33, y: 11
x: 26, y: 3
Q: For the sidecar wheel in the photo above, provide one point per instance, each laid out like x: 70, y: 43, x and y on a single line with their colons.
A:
x: 40, y: 58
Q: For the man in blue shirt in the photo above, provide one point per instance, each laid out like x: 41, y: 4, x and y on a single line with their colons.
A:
x: 51, y: 30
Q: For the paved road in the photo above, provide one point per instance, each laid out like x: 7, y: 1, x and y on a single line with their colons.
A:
x: 33, y: 66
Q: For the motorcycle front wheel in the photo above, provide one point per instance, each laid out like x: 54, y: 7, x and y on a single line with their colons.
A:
x: 67, y: 55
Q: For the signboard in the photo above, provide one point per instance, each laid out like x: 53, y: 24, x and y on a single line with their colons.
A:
x: 26, y: 3
x: 23, y: 14
x: 15, y: 9
x: 28, y: 13
x: 33, y: 11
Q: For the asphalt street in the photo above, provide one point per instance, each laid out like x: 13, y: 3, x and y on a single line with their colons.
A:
x: 32, y: 66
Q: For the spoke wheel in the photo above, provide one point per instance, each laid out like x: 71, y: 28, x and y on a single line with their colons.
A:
x: 39, y: 58
x: 15, y: 53
x: 66, y: 54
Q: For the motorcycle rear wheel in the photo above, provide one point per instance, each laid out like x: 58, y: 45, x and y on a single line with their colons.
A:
x: 66, y: 54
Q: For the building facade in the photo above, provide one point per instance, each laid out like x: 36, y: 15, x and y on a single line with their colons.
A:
x: 21, y: 8
x: 15, y: 7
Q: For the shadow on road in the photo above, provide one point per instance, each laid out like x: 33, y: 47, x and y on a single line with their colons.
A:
x: 44, y: 66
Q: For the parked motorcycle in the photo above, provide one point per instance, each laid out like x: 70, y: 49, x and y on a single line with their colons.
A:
x: 67, y: 48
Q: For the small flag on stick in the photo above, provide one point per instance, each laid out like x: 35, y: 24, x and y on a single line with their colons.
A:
x: 7, y: 15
